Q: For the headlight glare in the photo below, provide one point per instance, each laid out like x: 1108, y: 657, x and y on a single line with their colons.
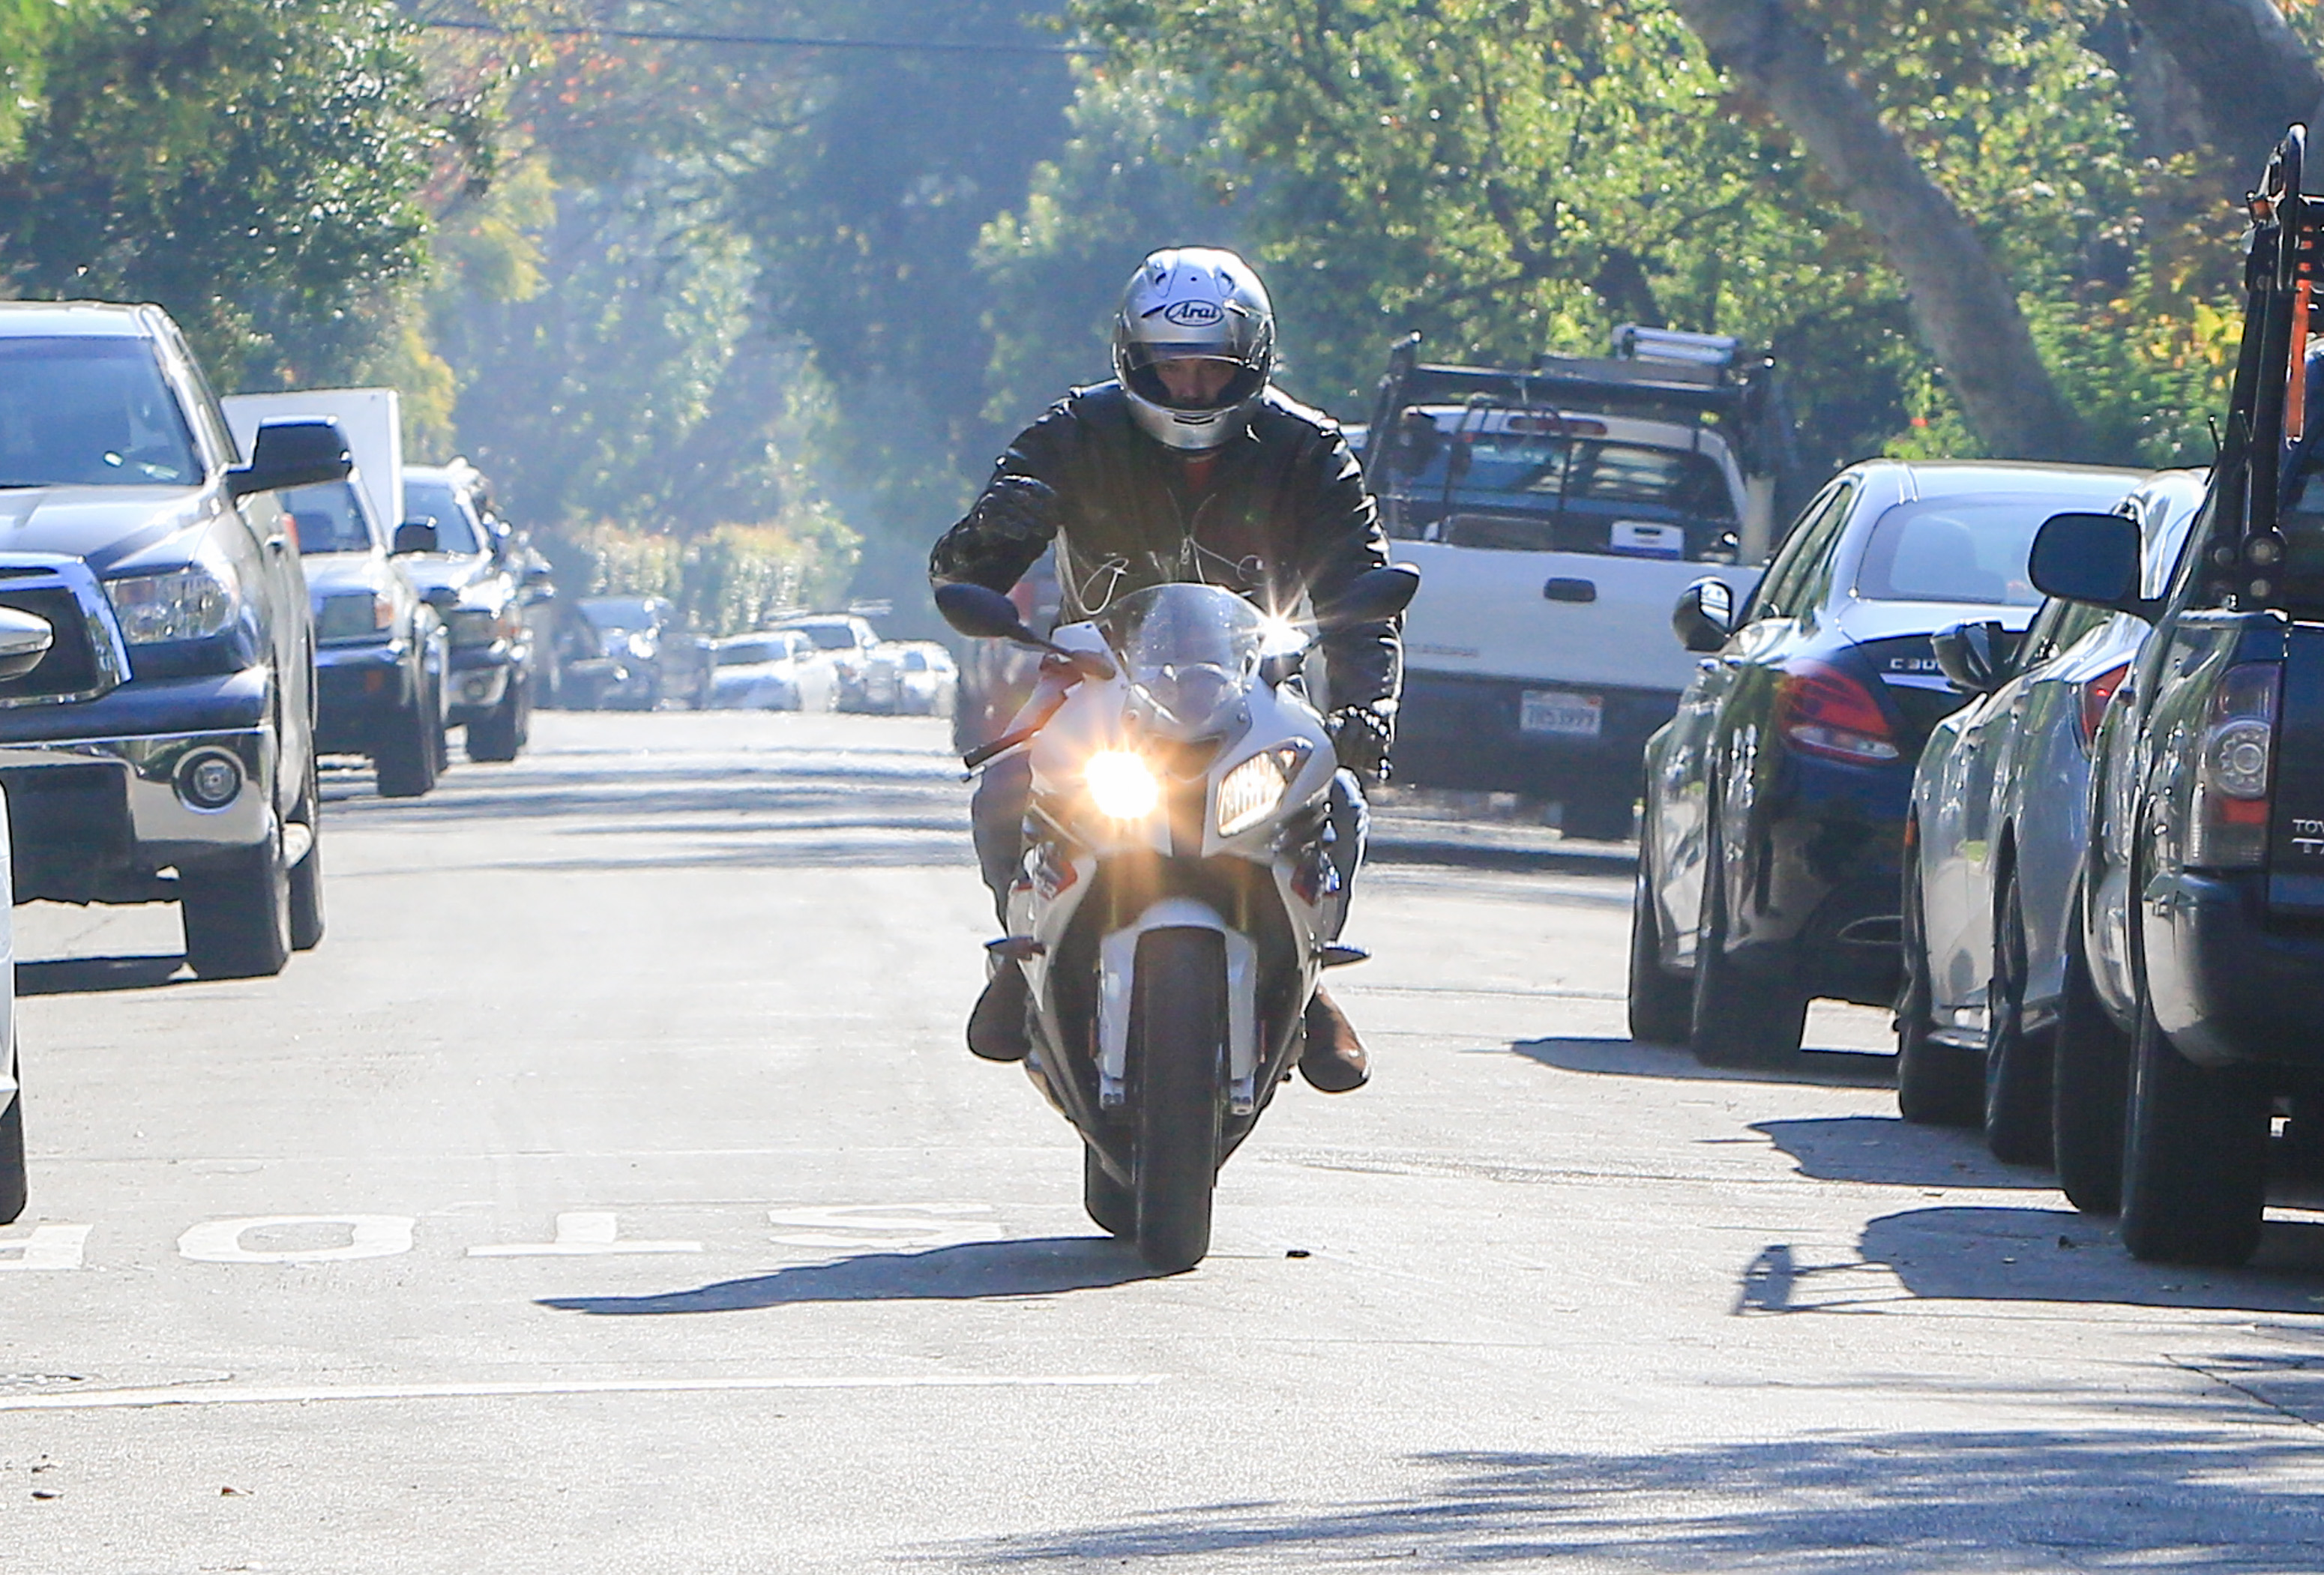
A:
x: 1249, y: 793
x: 1121, y: 785
x: 193, y: 603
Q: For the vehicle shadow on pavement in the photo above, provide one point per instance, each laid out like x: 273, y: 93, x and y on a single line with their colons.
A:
x: 1932, y: 1499
x: 96, y: 975
x: 1889, y: 1151
x: 1634, y: 1058
x: 971, y: 1271
x: 1989, y: 1253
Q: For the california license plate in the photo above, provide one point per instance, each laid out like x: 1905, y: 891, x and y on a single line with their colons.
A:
x: 1562, y: 714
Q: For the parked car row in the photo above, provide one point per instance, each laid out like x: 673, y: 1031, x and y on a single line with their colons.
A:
x: 829, y: 662
x: 2037, y: 753
x: 184, y: 631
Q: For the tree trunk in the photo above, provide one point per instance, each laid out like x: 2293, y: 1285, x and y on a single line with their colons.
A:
x: 2249, y: 71
x: 1963, y: 306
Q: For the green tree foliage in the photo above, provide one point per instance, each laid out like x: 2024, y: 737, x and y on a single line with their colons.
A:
x: 252, y: 165
x: 1512, y: 176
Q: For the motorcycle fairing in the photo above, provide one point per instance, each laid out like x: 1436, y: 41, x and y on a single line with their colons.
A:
x: 1118, y: 979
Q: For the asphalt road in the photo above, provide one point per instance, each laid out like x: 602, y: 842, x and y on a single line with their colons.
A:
x: 610, y: 1193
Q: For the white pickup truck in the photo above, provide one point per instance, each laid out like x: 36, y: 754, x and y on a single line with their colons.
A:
x: 1555, y: 515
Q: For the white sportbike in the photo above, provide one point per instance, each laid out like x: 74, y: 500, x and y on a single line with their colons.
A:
x: 1177, y: 895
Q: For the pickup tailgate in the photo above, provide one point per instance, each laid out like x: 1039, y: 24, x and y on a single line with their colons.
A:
x: 1567, y: 617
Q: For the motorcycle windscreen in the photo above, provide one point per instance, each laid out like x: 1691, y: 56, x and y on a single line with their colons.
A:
x: 1190, y: 653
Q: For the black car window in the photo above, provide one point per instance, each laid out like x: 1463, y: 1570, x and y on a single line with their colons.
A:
x: 328, y: 519
x: 91, y: 412
x: 1954, y: 549
x: 440, y: 501
x: 1778, y: 593
x: 1658, y: 478
x: 2057, y: 625
x: 830, y: 636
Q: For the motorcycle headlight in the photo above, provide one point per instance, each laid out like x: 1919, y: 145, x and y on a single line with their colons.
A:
x: 193, y: 603
x: 1121, y: 785
x: 354, y: 615
x: 1249, y: 793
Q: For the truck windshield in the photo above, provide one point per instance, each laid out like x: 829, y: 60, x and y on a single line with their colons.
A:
x: 91, y: 412
x: 328, y: 519
x: 1521, y: 490
x: 431, y: 499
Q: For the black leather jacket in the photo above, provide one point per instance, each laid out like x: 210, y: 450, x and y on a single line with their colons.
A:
x: 1286, y: 513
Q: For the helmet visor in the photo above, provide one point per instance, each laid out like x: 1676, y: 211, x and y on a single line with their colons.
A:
x: 1201, y: 388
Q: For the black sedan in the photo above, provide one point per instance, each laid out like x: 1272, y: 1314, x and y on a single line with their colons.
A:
x: 1770, y: 855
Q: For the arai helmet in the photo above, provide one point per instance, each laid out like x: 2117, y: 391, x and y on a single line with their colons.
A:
x: 1199, y: 302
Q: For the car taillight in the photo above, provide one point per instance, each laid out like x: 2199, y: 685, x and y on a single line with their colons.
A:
x: 2098, y: 694
x: 2228, y: 827
x: 1823, y: 710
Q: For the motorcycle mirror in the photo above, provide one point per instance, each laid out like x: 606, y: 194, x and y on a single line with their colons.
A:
x: 983, y: 613
x: 1374, y: 595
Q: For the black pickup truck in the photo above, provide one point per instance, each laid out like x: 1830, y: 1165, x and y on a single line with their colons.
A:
x: 163, y: 749
x: 2203, y: 905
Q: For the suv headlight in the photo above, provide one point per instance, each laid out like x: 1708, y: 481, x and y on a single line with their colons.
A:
x: 193, y: 603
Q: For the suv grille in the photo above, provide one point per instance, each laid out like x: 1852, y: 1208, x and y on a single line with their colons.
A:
x: 70, y: 665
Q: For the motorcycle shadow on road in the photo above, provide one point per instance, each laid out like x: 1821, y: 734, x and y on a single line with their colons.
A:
x: 1636, y: 1058
x: 98, y: 975
x: 968, y: 1272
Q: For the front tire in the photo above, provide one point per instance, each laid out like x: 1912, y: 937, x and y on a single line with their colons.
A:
x: 1179, y: 1026
x: 1936, y: 1084
x: 14, y: 1189
x: 1661, y: 1003
x: 2089, y: 1093
x: 307, y: 874
x: 2016, y: 1113
x: 237, y: 913
x: 2194, y: 1178
x: 500, y: 737
x: 1112, y: 1207
x: 409, y: 758
x: 1740, y: 1017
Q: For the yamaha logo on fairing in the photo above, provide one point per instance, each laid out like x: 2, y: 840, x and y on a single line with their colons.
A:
x: 1191, y: 314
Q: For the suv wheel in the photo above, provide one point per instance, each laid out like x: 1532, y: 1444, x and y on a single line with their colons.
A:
x: 307, y: 874
x: 237, y: 913
x: 12, y: 1189
x: 409, y: 756
x: 2089, y: 1091
x: 2194, y: 1179
x: 502, y: 735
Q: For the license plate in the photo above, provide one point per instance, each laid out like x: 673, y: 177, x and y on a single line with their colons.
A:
x: 1566, y: 716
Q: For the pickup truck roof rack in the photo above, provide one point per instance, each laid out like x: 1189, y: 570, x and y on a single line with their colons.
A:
x: 1699, y: 395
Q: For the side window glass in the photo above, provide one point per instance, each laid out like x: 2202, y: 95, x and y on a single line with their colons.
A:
x: 1780, y: 592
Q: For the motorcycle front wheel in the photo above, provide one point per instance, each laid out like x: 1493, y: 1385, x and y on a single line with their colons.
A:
x: 1180, y: 1023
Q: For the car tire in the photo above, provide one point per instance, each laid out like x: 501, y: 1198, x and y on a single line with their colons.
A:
x: 1740, y: 1016
x: 1661, y: 1003
x: 2089, y: 1091
x: 500, y: 736
x: 2194, y: 1175
x: 407, y: 762
x: 14, y: 1190
x: 2016, y: 1107
x: 1936, y: 1084
x: 307, y: 875
x: 237, y: 913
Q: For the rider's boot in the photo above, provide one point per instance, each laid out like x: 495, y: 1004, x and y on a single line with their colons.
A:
x: 996, y: 1029
x: 1333, y: 1061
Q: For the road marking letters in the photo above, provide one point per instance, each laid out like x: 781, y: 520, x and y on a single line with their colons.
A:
x: 48, y: 1247
x: 582, y: 1235
x: 368, y: 1236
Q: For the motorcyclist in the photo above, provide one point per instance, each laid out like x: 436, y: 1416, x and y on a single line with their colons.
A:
x: 1188, y: 465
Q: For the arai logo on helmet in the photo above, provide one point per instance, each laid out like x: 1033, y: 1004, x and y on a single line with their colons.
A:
x: 1192, y: 314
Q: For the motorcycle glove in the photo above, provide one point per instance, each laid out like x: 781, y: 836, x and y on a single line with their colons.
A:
x: 1361, y: 737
